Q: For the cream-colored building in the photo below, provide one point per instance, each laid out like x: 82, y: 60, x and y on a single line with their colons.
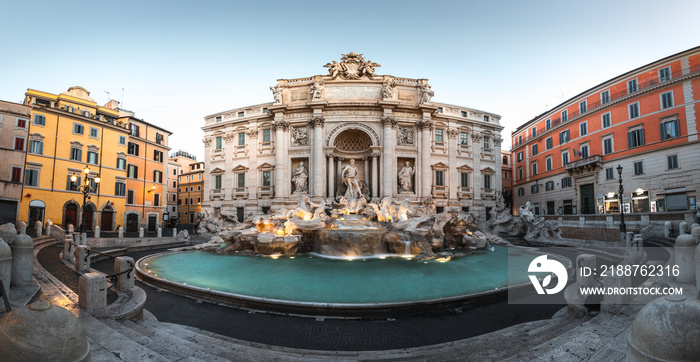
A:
x: 317, y: 126
x: 14, y: 126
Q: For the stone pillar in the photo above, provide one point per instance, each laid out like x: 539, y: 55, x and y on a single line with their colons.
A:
x: 365, y: 160
x: 498, y: 182
x: 389, y: 157
x: 92, y: 292
x: 82, y: 259
x: 121, y: 232
x: 83, y: 239
x: 22, y: 260
x: 49, y: 224
x: 685, y: 254
x: 668, y: 227
x: 5, y: 268
x: 478, y: 178
x: 426, y: 172
x: 97, y: 232
x: 331, y: 176
x: 279, y: 126
x: 124, y: 281
x: 71, y: 228
x: 8, y: 233
x: 683, y: 228
x: 37, y: 228
x: 317, y: 155
x: 453, y: 173
x: 68, y: 249
x: 253, y: 162
x: 141, y: 232
x: 174, y: 232
x: 375, y: 174
x: 22, y: 227
x: 160, y: 232
x: 695, y: 233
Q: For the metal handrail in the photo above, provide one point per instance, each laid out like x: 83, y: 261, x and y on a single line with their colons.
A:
x: 113, y: 277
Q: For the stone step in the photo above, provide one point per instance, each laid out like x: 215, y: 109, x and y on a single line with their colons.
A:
x: 122, y: 347
x: 150, y: 335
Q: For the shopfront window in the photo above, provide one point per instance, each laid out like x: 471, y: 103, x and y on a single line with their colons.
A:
x: 640, y: 201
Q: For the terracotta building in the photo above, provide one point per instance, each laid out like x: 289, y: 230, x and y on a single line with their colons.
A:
x: 181, y: 171
x: 566, y: 159
x: 14, y: 126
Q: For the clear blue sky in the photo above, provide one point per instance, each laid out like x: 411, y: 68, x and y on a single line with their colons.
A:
x: 178, y: 61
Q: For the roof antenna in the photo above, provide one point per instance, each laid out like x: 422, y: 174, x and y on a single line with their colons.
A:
x: 109, y: 98
x: 122, y: 97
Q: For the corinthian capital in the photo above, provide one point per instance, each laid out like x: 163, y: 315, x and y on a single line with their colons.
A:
x: 252, y: 133
x: 317, y: 122
x: 424, y: 124
x: 389, y: 121
x: 476, y: 136
x: 497, y: 140
x: 282, y: 125
x: 452, y: 133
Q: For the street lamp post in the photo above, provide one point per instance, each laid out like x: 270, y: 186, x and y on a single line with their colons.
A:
x: 85, y: 188
x: 623, y: 227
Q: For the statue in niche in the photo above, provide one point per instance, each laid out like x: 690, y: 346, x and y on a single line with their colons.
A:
x: 299, y: 136
x: 277, y: 93
x: 405, y: 136
x: 316, y: 90
x: 300, y: 179
x: 387, y: 89
x: 349, y: 175
x: 426, y: 93
x: 406, y: 177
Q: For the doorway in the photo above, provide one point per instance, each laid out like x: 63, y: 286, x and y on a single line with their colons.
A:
x: 152, y: 220
x: 132, y: 223
x: 587, y: 199
x: 106, y: 221
x: 70, y: 215
x: 89, y: 211
x: 36, y: 213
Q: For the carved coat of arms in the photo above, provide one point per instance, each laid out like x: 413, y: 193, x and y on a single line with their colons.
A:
x: 352, y: 66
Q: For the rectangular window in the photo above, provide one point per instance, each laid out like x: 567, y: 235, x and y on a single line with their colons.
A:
x: 549, y: 143
x: 156, y: 199
x: 634, y: 110
x: 487, y: 143
x: 609, y: 173
x: 487, y: 181
x: 119, y: 189
x: 564, y: 116
x: 670, y: 129
x: 533, y: 132
x: 241, y: 138
x: 266, y: 135
x: 134, y: 129
x: 241, y: 180
x: 217, y: 182
x: 564, y: 158
x: 440, y: 178
x: 664, y: 74
x: 583, y: 128
x: 76, y: 154
x: 122, y: 140
x: 548, y: 162
x: 605, y: 97
x: 36, y: 147
x: 534, y: 189
x: 438, y: 135
x: 605, y: 120
x: 16, y: 174
x: 94, y: 132
x: 39, y: 119
x: 666, y: 100
x: 464, y: 178
x: 534, y: 150
x: 130, y: 197
x: 549, y: 186
x: 218, y: 119
x: 584, y: 151
x: 672, y: 162
x: 521, y: 192
x: 78, y: 128
x: 19, y: 143
x: 21, y: 123
x: 159, y: 138
x: 241, y: 114
x: 632, y: 86
x: 133, y: 171
x: 266, y: 181
x: 520, y: 173
x: 464, y: 138
x: 486, y: 118
x: 548, y: 124
x: 639, y: 167
x: 31, y: 177
x: 157, y: 176
x: 534, y: 168
x: 157, y: 156
x: 73, y: 185
x: 607, y: 145
x: 635, y: 138
x: 520, y: 139
x: 133, y: 149
x: 564, y: 136
x: 520, y: 156
x: 219, y: 143
x: 92, y: 157
x: 566, y: 182
x: 462, y: 113
x: 582, y: 107
x: 121, y: 163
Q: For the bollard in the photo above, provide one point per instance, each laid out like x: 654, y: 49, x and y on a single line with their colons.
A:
x: 22, y: 260
x: 8, y: 233
x: 615, y: 281
x: 160, y: 232
x: 628, y: 238
x: 668, y: 227
x: 683, y: 228
x: 49, y: 224
x: 685, y: 253
x: 585, y: 261
x: 697, y: 266
x: 22, y: 227
x: 141, y: 232
x: 5, y: 268
x: 82, y: 259
x: 92, y: 292
x: 174, y: 232
x: 71, y: 228
x: 124, y: 281
x: 121, y: 232
x: 37, y: 228
x: 68, y: 249
x: 83, y: 239
x: 695, y: 233
x: 97, y: 232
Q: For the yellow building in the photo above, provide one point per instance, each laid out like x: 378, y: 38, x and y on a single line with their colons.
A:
x: 68, y: 132
x: 191, y: 192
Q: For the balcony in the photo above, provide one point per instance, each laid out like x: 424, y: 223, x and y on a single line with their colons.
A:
x: 440, y: 192
x: 216, y: 194
x: 488, y: 194
x: 266, y: 192
x: 239, y: 193
x: 585, y: 164
x: 465, y: 193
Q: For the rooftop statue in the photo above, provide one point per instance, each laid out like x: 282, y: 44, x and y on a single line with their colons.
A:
x: 352, y: 66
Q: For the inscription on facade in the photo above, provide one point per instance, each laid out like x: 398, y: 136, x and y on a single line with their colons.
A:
x: 406, y: 95
x: 353, y: 92
x: 299, y: 95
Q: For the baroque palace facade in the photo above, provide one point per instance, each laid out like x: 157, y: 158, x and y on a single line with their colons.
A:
x: 566, y: 159
x: 387, y: 129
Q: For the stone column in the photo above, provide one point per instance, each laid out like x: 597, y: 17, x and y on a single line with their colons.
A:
x: 453, y: 173
x: 228, y: 181
x: 22, y: 260
x: 477, y: 177
x: 331, y: 176
x: 279, y: 127
x: 389, y: 156
x: 317, y: 156
x: 252, y: 182
x: 498, y: 182
x: 375, y: 174
x: 365, y: 160
x: 426, y: 170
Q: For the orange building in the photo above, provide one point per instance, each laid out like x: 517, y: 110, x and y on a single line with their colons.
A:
x: 566, y: 159
x: 190, y: 192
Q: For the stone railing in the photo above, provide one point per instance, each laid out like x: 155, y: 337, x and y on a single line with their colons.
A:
x: 584, y: 161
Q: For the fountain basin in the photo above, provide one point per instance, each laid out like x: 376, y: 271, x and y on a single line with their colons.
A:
x: 311, y: 285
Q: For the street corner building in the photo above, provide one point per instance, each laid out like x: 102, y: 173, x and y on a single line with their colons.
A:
x: 71, y: 138
x: 566, y: 159
x: 388, y: 130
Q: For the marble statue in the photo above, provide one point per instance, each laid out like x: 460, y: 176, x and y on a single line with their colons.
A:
x: 316, y: 90
x: 405, y: 136
x: 334, y: 69
x: 404, y: 210
x: 426, y: 93
x: 538, y: 229
x: 300, y: 179
x: 350, y: 179
x: 387, y: 90
x: 406, y: 177
x: 299, y: 136
x: 277, y: 93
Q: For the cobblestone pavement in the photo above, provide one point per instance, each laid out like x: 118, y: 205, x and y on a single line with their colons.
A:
x: 320, y: 334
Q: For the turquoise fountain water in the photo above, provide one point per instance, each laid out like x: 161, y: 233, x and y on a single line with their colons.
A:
x: 309, y: 278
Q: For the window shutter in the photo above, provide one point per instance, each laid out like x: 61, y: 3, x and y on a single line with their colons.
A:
x: 662, y: 131
x: 677, y: 127
x: 629, y: 139
x: 641, y: 132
